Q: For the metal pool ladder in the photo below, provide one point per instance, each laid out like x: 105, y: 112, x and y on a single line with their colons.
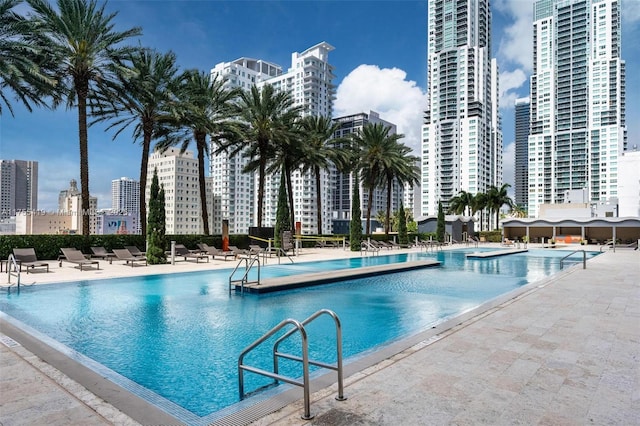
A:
x: 12, y: 269
x: 584, y: 258
x: 249, y: 262
x: 299, y: 327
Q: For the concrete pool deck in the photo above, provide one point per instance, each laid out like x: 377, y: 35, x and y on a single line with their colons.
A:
x: 564, y: 352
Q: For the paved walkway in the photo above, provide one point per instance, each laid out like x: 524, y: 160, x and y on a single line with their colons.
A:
x: 567, y: 352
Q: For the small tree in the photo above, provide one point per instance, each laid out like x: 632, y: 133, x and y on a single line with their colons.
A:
x: 156, y: 224
x: 283, y: 220
x: 403, y: 237
x: 440, y: 224
x: 355, y: 227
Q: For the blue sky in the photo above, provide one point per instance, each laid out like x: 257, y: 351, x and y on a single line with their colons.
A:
x: 379, y: 58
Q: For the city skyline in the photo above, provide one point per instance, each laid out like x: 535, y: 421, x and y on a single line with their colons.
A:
x: 367, y: 55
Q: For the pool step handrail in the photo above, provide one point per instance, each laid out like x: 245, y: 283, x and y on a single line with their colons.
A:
x: 13, y: 269
x: 298, y: 327
x: 249, y: 263
x: 584, y: 258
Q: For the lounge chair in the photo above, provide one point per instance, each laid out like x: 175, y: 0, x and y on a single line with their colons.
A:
x: 76, y: 256
x: 135, y: 251
x: 182, y: 251
x: 395, y: 245
x: 102, y: 253
x: 213, y: 251
x: 124, y: 254
x: 27, y: 257
x: 238, y: 252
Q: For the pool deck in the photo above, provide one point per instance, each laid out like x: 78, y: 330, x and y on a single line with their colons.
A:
x: 565, y: 351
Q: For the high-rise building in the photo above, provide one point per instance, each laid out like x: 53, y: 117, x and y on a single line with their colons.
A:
x: 18, y: 187
x: 461, y: 136
x: 343, y: 183
x: 178, y: 176
x: 125, y: 199
x: 70, y: 203
x: 522, y: 152
x: 310, y: 82
x: 578, y: 128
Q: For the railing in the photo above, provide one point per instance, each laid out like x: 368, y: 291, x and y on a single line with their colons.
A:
x: 249, y: 262
x: 12, y: 263
x: 299, y: 327
x: 584, y: 258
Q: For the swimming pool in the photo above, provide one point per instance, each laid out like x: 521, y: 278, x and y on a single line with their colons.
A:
x: 179, y: 335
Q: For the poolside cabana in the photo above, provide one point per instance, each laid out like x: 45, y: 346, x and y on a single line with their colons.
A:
x: 595, y: 230
x: 457, y: 226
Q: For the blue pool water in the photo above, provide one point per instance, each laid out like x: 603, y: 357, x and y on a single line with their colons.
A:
x: 179, y: 335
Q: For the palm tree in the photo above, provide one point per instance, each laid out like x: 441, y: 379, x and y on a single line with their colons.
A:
x: 401, y: 166
x: 23, y: 64
x: 496, y: 198
x: 319, y: 152
x: 79, y: 35
x: 461, y: 203
x: 204, y: 107
x: 263, y: 111
x: 374, y: 144
x: 287, y: 157
x: 478, y: 204
x: 142, y: 101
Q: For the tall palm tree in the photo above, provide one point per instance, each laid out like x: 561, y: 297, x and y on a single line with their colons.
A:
x: 288, y: 155
x: 142, y: 100
x: 319, y: 152
x: 263, y: 111
x: 204, y: 107
x: 375, y: 144
x: 79, y: 35
x: 24, y: 69
x: 461, y: 203
x: 478, y: 204
x: 496, y: 198
x: 401, y: 166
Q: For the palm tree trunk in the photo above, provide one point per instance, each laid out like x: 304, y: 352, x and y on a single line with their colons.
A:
x: 369, y: 205
x: 290, y: 195
x: 318, y: 200
x: 144, y: 166
x: 261, y: 173
x: 387, y: 220
x: 200, y: 143
x: 82, y: 89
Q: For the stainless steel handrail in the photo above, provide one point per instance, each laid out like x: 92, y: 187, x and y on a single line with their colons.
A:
x: 299, y: 327
x: 584, y: 258
x: 245, y: 278
x: 337, y: 367
x: 305, y: 364
x: 11, y: 261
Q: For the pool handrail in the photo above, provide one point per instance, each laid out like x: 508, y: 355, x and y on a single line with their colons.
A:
x: 337, y: 367
x: 245, y: 278
x: 584, y: 258
x: 299, y: 327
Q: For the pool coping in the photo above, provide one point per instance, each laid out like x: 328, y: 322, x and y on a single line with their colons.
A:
x: 245, y: 412
x: 495, y: 253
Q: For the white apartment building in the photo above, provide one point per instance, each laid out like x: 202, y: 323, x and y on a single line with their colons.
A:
x: 69, y: 204
x: 125, y: 199
x: 178, y: 175
x: 629, y: 184
x: 461, y: 136
x: 578, y: 129
x: 310, y: 82
x: 18, y: 187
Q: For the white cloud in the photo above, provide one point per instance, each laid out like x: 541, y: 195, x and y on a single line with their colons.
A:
x: 516, y: 45
x: 510, y: 81
x: 387, y: 92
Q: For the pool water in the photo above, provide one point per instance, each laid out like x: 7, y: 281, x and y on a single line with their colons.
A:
x: 179, y: 335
